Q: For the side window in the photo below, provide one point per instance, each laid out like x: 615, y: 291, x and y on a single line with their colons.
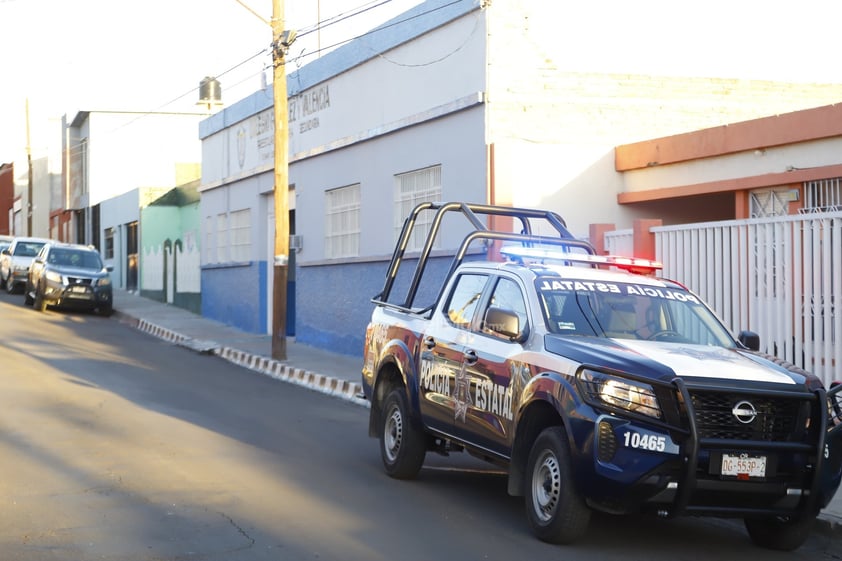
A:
x: 464, y: 299
x: 508, y: 296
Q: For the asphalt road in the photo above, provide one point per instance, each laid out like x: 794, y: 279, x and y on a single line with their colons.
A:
x: 118, y: 446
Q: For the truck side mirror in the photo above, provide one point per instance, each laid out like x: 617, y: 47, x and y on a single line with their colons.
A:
x: 749, y: 339
x: 505, y: 322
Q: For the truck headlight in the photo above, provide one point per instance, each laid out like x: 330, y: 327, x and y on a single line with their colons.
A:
x: 104, y: 281
x: 54, y: 277
x: 621, y: 393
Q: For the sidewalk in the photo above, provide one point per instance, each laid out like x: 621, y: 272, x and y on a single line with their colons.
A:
x: 318, y: 369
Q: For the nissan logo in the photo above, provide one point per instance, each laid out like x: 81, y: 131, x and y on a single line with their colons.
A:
x: 744, y: 412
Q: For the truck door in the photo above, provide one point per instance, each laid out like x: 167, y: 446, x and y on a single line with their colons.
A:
x: 493, y: 378
x: 443, y: 364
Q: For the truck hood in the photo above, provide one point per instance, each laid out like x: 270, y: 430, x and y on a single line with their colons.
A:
x: 664, y: 361
x: 80, y: 272
x: 22, y: 260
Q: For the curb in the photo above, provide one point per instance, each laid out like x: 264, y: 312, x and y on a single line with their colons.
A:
x: 828, y: 523
x: 343, y: 389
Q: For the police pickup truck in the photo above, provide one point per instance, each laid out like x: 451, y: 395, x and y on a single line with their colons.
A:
x: 595, y: 384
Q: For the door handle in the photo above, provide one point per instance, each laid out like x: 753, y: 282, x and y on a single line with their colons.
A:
x: 429, y: 342
x: 471, y: 356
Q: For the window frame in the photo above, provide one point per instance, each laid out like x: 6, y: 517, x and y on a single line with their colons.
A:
x: 406, y: 200
x: 343, y: 219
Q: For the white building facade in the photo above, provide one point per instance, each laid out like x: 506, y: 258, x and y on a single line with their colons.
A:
x: 452, y: 101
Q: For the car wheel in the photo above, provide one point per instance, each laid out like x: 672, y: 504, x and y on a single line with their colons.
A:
x: 402, y: 443
x: 780, y: 533
x: 554, y: 508
x: 10, y: 285
x: 27, y: 295
x: 40, y: 304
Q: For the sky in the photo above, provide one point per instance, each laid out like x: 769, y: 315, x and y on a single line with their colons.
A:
x: 64, y: 56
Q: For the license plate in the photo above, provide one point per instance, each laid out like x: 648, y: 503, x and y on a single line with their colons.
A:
x: 744, y: 466
x: 81, y: 289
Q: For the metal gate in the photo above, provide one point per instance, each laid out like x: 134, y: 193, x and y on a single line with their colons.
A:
x: 775, y: 276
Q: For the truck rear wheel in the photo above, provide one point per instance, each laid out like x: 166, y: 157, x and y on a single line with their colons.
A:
x: 555, y: 510
x: 781, y: 533
x: 401, y: 442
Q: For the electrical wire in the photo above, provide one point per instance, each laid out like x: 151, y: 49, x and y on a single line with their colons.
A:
x: 307, y: 30
x: 342, y: 17
x: 378, y: 29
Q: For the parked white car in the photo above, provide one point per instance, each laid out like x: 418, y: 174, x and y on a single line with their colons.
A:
x: 16, y: 259
x: 5, y: 241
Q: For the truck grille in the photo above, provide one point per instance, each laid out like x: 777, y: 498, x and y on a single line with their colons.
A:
x: 79, y: 280
x: 777, y: 419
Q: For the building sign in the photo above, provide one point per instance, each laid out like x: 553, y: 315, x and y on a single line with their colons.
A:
x: 254, y: 141
x: 303, y: 108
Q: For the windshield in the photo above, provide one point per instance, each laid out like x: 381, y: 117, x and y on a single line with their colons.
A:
x: 28, y: 249
x: 629, y: 311
x: 75, y: 258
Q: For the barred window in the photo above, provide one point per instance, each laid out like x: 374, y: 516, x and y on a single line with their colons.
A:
x: 342, y: 222
x: 209, y: 240
x: 765, y: 203
x: 221, y: 238
x: 239, y: 235
x: 823, y: 196
x: 412, y: 188
x: 109, y: 243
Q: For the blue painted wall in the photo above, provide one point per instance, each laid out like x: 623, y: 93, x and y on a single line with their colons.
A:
x: 333, y: 302
x: 236, y: 295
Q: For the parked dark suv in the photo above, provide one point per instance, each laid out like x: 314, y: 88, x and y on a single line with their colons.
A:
x: 69, y: 276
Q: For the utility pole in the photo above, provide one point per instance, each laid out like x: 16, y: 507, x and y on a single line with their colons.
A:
x: 281, y: 40
x: 29, y: 175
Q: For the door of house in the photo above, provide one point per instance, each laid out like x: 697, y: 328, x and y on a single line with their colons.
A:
x: 131, y: 256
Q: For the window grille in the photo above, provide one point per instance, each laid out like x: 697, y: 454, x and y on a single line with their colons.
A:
x: 209, y: 240
x: 221, y: 238
x: 768, y: 203
x: 239, y: 234
x: 412, y: 188
x: 823, y: 196
x: 342, y: 222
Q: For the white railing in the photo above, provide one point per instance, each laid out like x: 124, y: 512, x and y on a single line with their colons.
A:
x: 620, y: 242
x: 775, y: 276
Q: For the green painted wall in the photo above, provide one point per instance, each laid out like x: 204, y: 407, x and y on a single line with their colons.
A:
x: 170, y: 252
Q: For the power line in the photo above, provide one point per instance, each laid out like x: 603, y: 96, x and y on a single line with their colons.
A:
x: 239, y: 64
x: 377, y: 29
x: 342, y: 17
x: 305, y: 31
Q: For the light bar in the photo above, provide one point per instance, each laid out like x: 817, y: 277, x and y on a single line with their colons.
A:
x: 632, y: 264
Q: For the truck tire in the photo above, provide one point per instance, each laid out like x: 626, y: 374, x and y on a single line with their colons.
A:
x: 39, y: 304
x: 402, y: 443
x: 555, y: 509
x: 781, y: 533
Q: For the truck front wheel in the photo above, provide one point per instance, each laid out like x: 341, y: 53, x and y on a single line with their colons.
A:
x: 781, y: 533
x: 556, y: 511
x: 401, y: 442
